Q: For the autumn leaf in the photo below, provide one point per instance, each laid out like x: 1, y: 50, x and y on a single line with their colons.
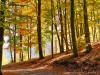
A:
x: 19, y: 1
x: 23, y: 31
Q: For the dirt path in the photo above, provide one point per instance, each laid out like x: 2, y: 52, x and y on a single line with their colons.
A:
x: 46, y: 66
x: 40, y: 67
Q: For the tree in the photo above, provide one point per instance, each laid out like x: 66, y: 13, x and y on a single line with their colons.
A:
x: 2, y: 19
x: 86, y: 28
x: 61, y: 23
x: 1, y: 44
x: 15, y: 39
x: 39, y: 30
x: 66, y: 40
x: 73, y: 30
x: 21, y: 52
x: 52, y: 6
x: 10, y: 44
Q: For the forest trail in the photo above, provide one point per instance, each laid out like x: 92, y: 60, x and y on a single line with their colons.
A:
x: 57, y: 65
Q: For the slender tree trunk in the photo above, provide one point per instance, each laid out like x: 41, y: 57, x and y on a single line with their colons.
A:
x: 30, y: 42
x: 10, y: 45
x: 56, y: 46
x: 52, y: 6
x: 77, y: 26
x: 94, y: 35
x: 1, y: 44
x: 73, y: 30
x: 2, y: 19
x: 15, y: 45
x: 86, y: 28
x: 69, y: 31
x: 39, y: 30
x: 15, y: 39
x: 81, y: 29
x: 98, y: 22
x: 81, y: 26
x: 21, y: 52
x: 67, y: 48
x: 61, y: 23
x: 28, y: 49
x: 99, y: 33
x: 58, y: 36
x: 92, y: 26
x: 28, y: 39
x: 55, y: 26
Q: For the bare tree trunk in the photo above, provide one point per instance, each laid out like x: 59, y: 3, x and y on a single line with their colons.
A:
x: 10, y: 45
x: 15, y: 45
x: 94, y: 33
x: 15, y: 39
x: 55, y: 26
x: 70, y: 42
x: 30, y: 42
x: 2, y: 19
x: 28, y: 49
x: 52, y: 6
x: 86, y: 28
x: 61, y: 23
x: 58, y: 36
x: 39, y: 30
x: 73, y: 30
x: 66, y: 39
x: 21, y: 51
x: 1, y: 44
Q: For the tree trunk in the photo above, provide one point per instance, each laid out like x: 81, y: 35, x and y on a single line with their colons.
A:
x: 15, y: 40
x: 66, y: 40
x: 55, y: 25
x: 69, y: 31
x: 86, y: 28
x: 61, y: 23
x: 1, y: 44
x: 73, y: 30
x: 30, y: 42
x: 15, y: 45
x: 2, y: 19
x: 58, y: 36
x: 39, y: 30
x: 21, y: 52
x: 10, y: 45
x: 94, y: 33
x: 52, y: 6
x: 28, y: 49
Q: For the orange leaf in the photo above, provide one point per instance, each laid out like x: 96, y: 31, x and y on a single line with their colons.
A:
x: 23, y: 31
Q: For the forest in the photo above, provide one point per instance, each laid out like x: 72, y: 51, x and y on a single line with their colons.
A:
x: 49, y: 37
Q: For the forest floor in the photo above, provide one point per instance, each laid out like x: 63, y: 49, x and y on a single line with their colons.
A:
x: 61, y: 64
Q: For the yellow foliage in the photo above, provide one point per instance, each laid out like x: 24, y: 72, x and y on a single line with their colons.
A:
x: 19, y: 1
x: 98, y: 24
x: 26, y: 10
